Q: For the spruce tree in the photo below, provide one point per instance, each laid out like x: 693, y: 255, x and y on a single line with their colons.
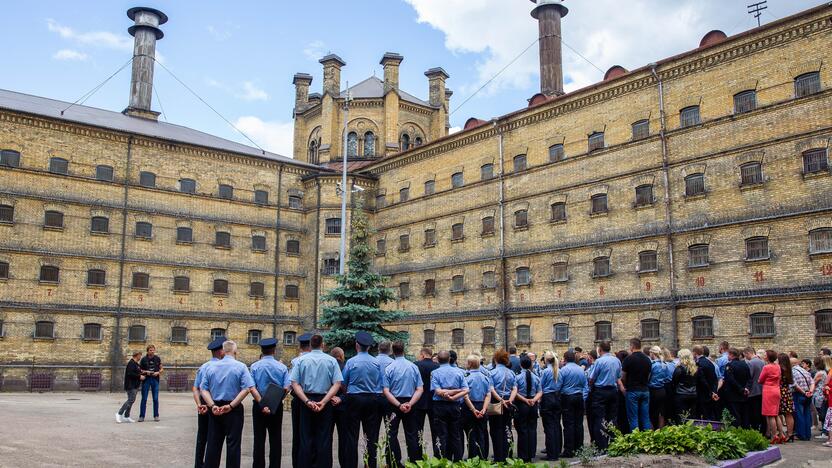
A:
x: 355, y: 304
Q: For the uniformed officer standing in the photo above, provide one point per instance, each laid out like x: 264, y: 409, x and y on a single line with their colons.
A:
x: 502, y: 378
x: 403, y: 388
x: 604, y: 382
x: 226, y: 384
x: 528, y: 391
x: 364, y: 382
x: 573, y: 388
x: 474, y: 417
x: 265, y: 372
x: 339, y: 410
x: 550, y: 411
x: 449, y: 386
x: 303, y: 344
x: 315, y: 378
x: 201, y: 408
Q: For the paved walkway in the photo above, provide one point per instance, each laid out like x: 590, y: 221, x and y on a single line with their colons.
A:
x: 79, y: 429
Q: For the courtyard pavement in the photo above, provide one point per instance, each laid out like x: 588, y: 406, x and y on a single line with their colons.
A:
x: 79, y: 429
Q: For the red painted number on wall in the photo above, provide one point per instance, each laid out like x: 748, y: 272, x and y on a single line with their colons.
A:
x: 430, y: 305
x: 648, y: 286
x: 560, y: 292
x: 48, y: 292
x: 181, y: 300
x: 522, y: 297
x: 95, y: 295
x: 601, y: 291
x: 141, y: 298
x: 826, y: 270
x: 219, y: 302
x: 759, y: 277
x: 700, y: 281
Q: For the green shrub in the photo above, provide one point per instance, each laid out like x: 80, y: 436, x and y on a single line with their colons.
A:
x: 472, y: 463
x: 753, y: 440
x: 685, y: 438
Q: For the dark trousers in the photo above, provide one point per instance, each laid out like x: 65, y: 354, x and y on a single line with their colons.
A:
x: 604, y: 405
x: 423, y: 414
x: 802, y: 416
x: 448, y: 417
x: 708, y: 408
x: 362, y: 413
x: 128, y: 405
x: 202, y: 421
x: 553, y: 432
x: 315, y: 435
x: 739, y: 411
x: 500, y: 430
x: 657, y: 405
x: 477, y: 432
x: 755, y: 414
x: 151, y: 385
x: 273, y: 424
x: 573, y: 423
x: 227, y: 428
x: 410, y: 423
x: 669, y: 403
x: 686, y: 407
x: 342, y: 418
x: 295, y: 413
x: 525, y: 422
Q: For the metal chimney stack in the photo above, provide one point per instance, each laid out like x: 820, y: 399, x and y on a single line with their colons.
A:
x: 145, y: 33
x: 548, y: 14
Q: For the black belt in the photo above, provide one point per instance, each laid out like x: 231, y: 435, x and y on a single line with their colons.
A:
x: 604, y: 387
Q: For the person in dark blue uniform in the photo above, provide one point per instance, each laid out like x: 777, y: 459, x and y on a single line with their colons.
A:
x: 403, y: 389
x: 449, y: 387
x: 226, y: 384
x: 474, y: 417
x: 527, y: 390
x: 339, y: 410
x: 550, y: 411
x: 202, y: 417
x: 502, y: 379
x: 303, y: 345
x: 424, y: 406
x: 364, y: 382
x: 266, y: 372
x: 573, y: 388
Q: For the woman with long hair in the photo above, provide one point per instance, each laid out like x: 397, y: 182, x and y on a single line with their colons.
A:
x: 527, y: 390
x: 770, y: 378
x: 550, y: 410
x: 684, y: 386
x: 659, y: 375
x: 786, y: 399
x: 502, y: 381
x: 818, y: 399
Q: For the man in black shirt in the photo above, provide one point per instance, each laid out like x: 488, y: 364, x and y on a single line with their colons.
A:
x: 132, y: 381
x: 635, y: 373
x: 151, y: 366
x: 706, y: 385
x: 736, y: 388
x: 423, y: 406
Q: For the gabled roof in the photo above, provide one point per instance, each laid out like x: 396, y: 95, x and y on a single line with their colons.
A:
x: 117, y: 121
x: 373, y: 87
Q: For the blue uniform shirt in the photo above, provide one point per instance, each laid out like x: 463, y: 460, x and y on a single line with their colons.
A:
x: 520, y: 382
x: 606, y: 371
x: 225, y: 378
x: 479, y: 384
x: 502, y: 378
x: 402, y: 378
x: 658, y: 374
x: 721, y: 362
x: 200, y: 373
x: 547, y: 380
x: 269, y: 370
x: 447, y: 378
x: 572, y: 380
x: 362, y: 374
x: 385, y: 360
x: 316, y: 372
x: 671, y: 367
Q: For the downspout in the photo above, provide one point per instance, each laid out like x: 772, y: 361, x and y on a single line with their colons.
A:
x: 674, y: 319
x: 500, y: 204
x: 277, y: 249
x: 316, y: 270
x: 115, y: 353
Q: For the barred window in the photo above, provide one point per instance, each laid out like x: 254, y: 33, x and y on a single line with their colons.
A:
x: 331, y: 266
x: 560, y: 272
x: 258, y: 243
x: 429, y: 337
x: 404, y: 242
x: 289, y: 337
x: 698, y: 255
x: 745, y: 101
x: 649, y: 329
x: 141, y: 281
x: 184, y: 235
x: 92, y: 331
x: 703, y: 327
x: 96, y: 277
x: 815, y: 160
x: 45, y: 329
x: 489, y: 280
x: 6, y: 214
x: 49, y: 274
x: 762, y: 324
x: 4, y: 271
x: 100, y: 224
x: 457, y: 231
x: 104, y: 173
x: 430, y: 187
x: 487, y: 171
x: 222, y: 239
x: 641, y: 129
x: 521, y: 218
x: 136, y: 333
x: 257, y: 289
x: 458, y: 283
x: 381, y: 246
x: 601, y: 267
x: 689, y: 116
x: 524, y: 334
x: 558, y: 211
x: 147, y: 179
x: 599, y: 203
x: 178, y: 335
x: 751, y: 173
x: 253, y: 337
x: 381, y: 200
x: 187, y: 185
x: 9, y: 158
x: 520, y: 163
x: 823, y: 322
x: 603, y: 331
x: 404, y: 290
x: 457, y: 180
x: 53, y: 219
x: 756, y: 248
x: 352, y: 144
x: 293, y: 247
x: 694, y: 185
x: 560, y: 333
x: 458, y: 336
x: 488, y: 225
x: 596, y: 141
x: 430, y: 237
x: 806, y: 84
x: 489, y: 336
x: 523, y: 276
x: 226, y: 191
x: 648, y: 261
x: 404, y: 194
x: 181, y: 284
x: 430, y: 287
x: 217, y: 333
x: 333, y: 226
x: 370, y: 144
x: 644, y: 195
x: 144, y: 230
x: 261, y: 197
x: 220, y: 286
x: 820, y: 241
x: 58, y: 166
x: 556, y: 153
x: 295, y: 203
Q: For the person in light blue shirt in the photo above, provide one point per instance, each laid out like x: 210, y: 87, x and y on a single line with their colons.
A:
x: 499, y: 425
x: 722, y: 362
x: 383, y: 357
x: 572, y: 385
x: 604, y: 382
x: 364, y: 382
x: 659, y: 377
x: 403, y: 389
x: 266, y: 372
x: 224, y: 386
x: 449, y: 386
x: 527, y: 392
x: 297, y: 404
x: 550, y: 411
x: 203, y: 418
x: 474, y: 417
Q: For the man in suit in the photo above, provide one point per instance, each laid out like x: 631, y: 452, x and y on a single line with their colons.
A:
x: 706, y: 385
x: 424, y: 405
x: 736, y: 387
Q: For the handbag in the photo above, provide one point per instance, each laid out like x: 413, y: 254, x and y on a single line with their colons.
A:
x: 496, y: 409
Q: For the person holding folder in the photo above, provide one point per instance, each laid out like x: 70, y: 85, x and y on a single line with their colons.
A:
x: 271, y: 379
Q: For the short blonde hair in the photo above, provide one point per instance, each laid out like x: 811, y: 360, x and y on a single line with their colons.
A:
x: 473, y: 361
x: 656, y: 351
x: 229, y: 347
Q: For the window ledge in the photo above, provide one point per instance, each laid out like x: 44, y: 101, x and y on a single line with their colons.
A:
x: 259, y: 251
x: 754, y: 186
x: 644, y: 206
x: 455, y: 241
x: 487, y: 234
x: 429, y: 246
x: 523, y: 285
x: 218, y: 294
x: 558, y: 280
x: 698, y: 196
x: 181, y: 292
x: 222, y: 247
x: 4, y: 280
x: 99, y: 233
x: 557, y: 221
x: 602, y: 276
x: 817, y: 174
x: 43, y: 338
x: 53, y: 228
x: 96, y: 286
x: 762, y: 337
x: 256, y: 297
x: 178, y: 343
x: 488, y: 288
x: 457, y: 291
x: 293, y: 299
x: 292, y: 254
x: 758, y: 260
x: 403, y: 250
x: 599, y: 214
x: 560, y: 341
x: 648, y: 272
x: 433, y: 294
x: 699, y: 267
x: 91, y: 340
x: 49, y: 283
x: 822, y: 254
x: 134, y: 288
x: 187, y: 243
x: 6, y: 223
x: 143, y: 238
x: 332, y: 235
x: 404, y: 298
x: 521, y: 228
x: 381, y: 254
x: 143, y: 340
x: 709, y: 337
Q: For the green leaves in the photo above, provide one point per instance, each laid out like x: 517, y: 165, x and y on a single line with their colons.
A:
x: 472, y: 463
x: 684, y: 438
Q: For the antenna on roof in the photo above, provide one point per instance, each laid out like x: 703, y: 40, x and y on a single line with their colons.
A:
x: 756, y: 10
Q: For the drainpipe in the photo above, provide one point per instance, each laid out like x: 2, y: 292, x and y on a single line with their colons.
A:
x: 674, y: 319
x: 115, y: 353
x: 500, y: 204
x: 277, y: 250
x: 316, y: 270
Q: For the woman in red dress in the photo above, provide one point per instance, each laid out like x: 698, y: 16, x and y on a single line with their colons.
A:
x: 770, y: 379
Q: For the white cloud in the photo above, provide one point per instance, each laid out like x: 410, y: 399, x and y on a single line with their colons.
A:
x: 103, y: 39
x: 315, y: 50
x: 218, y: 33
x: 70, y: 54
x: 273, y: 135
x: 251, y: 92
x: 454, y: 130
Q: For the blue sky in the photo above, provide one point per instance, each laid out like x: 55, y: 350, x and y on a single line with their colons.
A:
x: 241, y: 56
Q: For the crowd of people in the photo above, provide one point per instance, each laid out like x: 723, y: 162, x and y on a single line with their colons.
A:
x: 481, y: 405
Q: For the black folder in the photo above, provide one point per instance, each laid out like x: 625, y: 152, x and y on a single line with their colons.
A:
x: 273, y: 397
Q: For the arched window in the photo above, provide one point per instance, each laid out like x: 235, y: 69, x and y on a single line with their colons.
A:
x: 45, y: 329
x: 254, y: 336
x: 560, y: 333
x: 601, y: 267
x: 257, y: 289
x: 647, y: 261
x: 136, y: 333
x: 694, y: 185
x: 144, y: 230
x: 313, y: 152
x: 9, y: 158
x: 650, y: 329
x: 6, y: 214
x: 806, y: 84
x: 556, y: 153
x: 141, y: 280
x: 430, y: 287
x: 489, y: 336
x: 598, y: 203
x: 92, y: 331
x: 4, y: 273
x: 457, y: 231
x: 58, y: 166
x: 184, y: 235
x: 523, y: 276
x: 458, y: 336
x: 644, y: 195
x: 187, y: 185
x: 524, y: 334
x: 520, y: 163
x: 104, y: 173
x: 815, y: 160
x: 458, y: 283
x: 49, y: 274
x: 489, y: 280
x: 487, y: 225
x: 756, y: 248
x: 560, y: 272
x: 53, y: 219
x: 596, y: 141
x: 220, y: 286
x: 698, y: 255
x: 417, y: 141
x: 823, y: 322
x: 369, y: 145
x: 222, y: 240
x: 100, y: 225
x: 147, y: 179
x: 289, y: 337
x: 429, y: 337
x: 521, y: 218
x: 703, y: 327
x: 745, y: 101
x: 181, y: 284
x: 641, y: 129
x: 761, y: 324
x: 487, y: 171
x: 217, y: 333
x: 404, y: 290
x: 352, y: 144
x: 689, y: 116
x: 258, y: 243
x: 96, y: 277
x: 178, y: 335
x: 820, y: 240
x: 751, y: 173
x: 405, y: 142
x: 293, y: 247
x: 603, y: 331
x: 457, y: 180
x: 558, y: 211
x: 226, y: 191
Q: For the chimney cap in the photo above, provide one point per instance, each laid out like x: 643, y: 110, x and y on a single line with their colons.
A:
x: 547, y: 3
x: 448, y: 93
x: 301, y: 77
x: 161, y: 19
x: 391, y: 57
x: 332, y: 58
x: 131, y: 13
x: 437, y: 71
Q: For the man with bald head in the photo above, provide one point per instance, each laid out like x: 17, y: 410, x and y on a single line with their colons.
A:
x: 449, y: 386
